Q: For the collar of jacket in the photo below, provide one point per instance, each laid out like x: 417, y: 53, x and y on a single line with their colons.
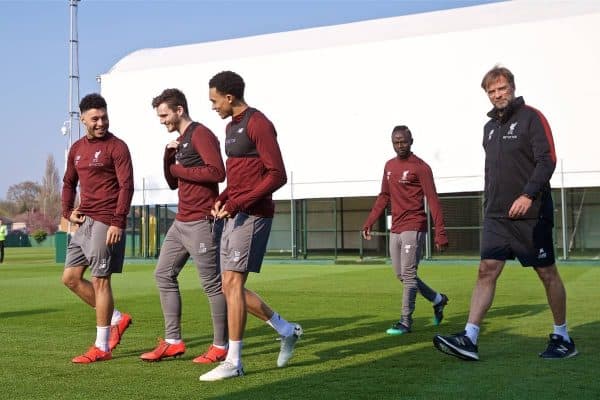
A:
x: 514, y: 105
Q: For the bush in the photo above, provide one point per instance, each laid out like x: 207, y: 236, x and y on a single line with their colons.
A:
x: 39, y: 235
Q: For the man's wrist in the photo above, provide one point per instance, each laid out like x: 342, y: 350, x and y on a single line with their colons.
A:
x: 530, y: 197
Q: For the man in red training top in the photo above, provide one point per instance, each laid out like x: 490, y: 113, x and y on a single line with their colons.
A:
x: 254, y: 171
x: 101, y: 164
x: 192, y: 164
x: 407, y: 180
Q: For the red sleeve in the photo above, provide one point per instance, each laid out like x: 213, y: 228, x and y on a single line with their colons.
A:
x: 223, y: 197
x: 544, y: 154
x: 69, y: 189
x: 428, y: 185
x: 124, y: 172
x: 381, y: 203
x: 262, y: 132
x: 213, y: 171
x: 168, y: 160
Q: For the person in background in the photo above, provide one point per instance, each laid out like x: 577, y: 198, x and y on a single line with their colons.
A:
x: 3, y: 233
x: 407, y: 181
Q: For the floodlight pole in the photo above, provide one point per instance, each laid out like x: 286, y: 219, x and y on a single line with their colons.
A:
x: 72, y: 123
x: 73, y: 73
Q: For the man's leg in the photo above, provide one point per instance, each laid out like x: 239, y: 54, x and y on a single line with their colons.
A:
x: 464, y: 345
x: 485, y: 289
x: 403, y: 250
x: 172, y: 258
x: 73, y: 279
x: 199, y: 241
x: 560, y: 344
x: 1, y: 251
x: 555, y: 292
x: 104, y: 299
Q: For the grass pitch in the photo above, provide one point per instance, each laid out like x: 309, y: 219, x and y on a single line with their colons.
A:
x: 344, y: 352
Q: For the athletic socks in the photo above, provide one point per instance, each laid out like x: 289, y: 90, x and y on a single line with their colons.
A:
x: 234, y: 355
x: 438, y: 298
x: 173, y: 341
x: 102, y: 334
x: 282, y: 327
x: 116, y: 317
x: 562, y: 331
x: 472, y: 332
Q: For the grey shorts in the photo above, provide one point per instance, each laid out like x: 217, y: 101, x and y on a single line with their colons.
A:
x: 88, y: 248
x: 244, y: 242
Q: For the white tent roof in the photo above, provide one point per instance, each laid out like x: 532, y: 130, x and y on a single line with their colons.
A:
x: 425, y: 24
x: 334, y: 93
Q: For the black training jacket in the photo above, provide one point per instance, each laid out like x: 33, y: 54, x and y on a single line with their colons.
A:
x: 519, y: 159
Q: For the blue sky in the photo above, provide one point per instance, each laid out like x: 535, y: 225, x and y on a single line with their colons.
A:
x: 34, y: 38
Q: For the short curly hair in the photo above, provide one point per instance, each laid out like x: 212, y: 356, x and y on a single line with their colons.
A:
x: 228, y: 82
x: 92, y: 100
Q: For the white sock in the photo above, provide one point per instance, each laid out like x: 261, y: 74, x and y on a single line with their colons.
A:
x: 438, y: 298
x: 173, y: 341
x: 282, y: 327
x: 234, y: 355
x: 116, y: 317
x: 102, y: 334
x: 562, y: 331
x: 218, y: 346
x: 472, y: 332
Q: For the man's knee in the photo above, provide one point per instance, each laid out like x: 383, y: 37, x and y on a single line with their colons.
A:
x: 489, y: 270
x: 232, y: 281
x: 165, y: 280
x: 71, y: 277
x: 101, y: 283
x: 548, y: 275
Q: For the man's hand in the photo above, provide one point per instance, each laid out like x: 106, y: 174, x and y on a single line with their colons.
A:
x: 441, y: 247
x: 76, y: 217
x: 113, y: 235
x: 223, y: 213
x: 520, y: 207
x: 173, y: 145
x: 366, y: 233
x: 216, y: 208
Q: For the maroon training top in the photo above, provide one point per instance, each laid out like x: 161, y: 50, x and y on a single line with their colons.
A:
x: 196, y: 168
x: 405, y: 183
x: 251, y: 181
x: 105, y: 175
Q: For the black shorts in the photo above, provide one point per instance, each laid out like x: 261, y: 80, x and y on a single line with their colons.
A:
x: 528, y: 240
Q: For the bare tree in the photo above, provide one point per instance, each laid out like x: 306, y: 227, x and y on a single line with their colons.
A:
x: 49, y: 197
x: 25, y: 195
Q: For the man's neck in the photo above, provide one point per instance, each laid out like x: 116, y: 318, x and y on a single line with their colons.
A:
x: 239, y: 108
x: 183, y: 125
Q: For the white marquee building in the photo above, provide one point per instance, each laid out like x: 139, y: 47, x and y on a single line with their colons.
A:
x: 334, y: 94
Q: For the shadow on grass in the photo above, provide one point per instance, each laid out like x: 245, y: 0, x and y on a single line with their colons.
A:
x: 510, y: 366
x: 22, y: 313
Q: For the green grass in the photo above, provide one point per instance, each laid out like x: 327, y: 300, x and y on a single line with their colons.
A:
x: 344, y: 310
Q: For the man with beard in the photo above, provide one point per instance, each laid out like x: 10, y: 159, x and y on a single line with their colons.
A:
x: 518, y: 213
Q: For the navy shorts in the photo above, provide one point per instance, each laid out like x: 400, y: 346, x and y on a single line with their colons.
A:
x: 528, y: 240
